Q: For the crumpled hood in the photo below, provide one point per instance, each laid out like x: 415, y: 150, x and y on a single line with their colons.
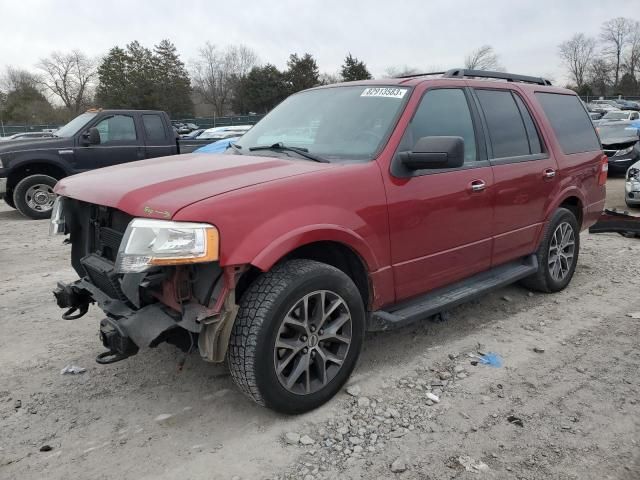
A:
x: 159, y: 187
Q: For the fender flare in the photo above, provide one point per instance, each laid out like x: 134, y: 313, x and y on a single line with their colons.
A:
x: 311, y: 234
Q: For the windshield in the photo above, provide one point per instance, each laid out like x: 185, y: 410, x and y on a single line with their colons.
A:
x: 615, y: 116
x: 71, y: 128
x: 334, y: 123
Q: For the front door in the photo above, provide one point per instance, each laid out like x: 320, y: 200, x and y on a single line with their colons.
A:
x: 440, y: 220
x: 120, y: 142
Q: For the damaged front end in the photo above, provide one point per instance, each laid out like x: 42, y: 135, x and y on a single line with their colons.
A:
x: 148, y: 297
x: 613, y: 221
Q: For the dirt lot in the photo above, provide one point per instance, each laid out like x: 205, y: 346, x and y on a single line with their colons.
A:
x: 570, y: 410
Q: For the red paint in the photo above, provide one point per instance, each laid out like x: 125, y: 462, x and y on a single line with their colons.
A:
x: 412, y: 234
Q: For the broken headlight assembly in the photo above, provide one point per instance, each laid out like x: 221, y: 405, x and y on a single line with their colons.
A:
x: 149, y: 243
x: 624, y: 151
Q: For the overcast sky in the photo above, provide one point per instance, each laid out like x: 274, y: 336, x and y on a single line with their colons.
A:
x: 421, y: 33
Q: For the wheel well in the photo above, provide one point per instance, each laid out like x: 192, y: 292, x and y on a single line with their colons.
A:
x: 332, y: 253
x: 34, y: 169
x: 575, y: 205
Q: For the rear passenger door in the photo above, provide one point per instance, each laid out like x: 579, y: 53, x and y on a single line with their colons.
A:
x: 157, y: 143
x: 524, y: 172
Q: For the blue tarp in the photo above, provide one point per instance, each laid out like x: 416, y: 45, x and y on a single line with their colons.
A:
x: 217, y: 147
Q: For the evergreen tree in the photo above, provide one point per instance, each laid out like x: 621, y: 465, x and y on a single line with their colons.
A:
x: 260, y: 90
x: 174, y: 86
x: 354, y: 69
x: 302, y: 73
x: 113, y: 88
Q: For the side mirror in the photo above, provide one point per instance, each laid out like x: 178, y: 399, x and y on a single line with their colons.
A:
x: 92, y: 137
x: 434, y: 152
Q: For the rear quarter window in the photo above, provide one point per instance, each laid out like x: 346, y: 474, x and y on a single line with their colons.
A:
x: 570, y: 122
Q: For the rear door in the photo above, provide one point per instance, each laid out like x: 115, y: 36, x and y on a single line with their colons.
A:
x: 440, y: 220
x: 524, y: 172
x: 157, y: 143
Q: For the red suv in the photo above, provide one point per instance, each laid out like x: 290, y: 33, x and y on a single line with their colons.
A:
x: 349, y: 208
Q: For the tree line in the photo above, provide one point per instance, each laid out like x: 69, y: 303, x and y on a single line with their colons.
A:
x: 608, y: 64
x: 228, y: 80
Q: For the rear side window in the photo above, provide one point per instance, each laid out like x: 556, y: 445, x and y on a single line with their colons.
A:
x: 534, y: 140
x: 570, y: 122
x: 154, y: 127
x: 506, y: 127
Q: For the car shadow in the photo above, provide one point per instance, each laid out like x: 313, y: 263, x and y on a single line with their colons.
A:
x: 12, y: 215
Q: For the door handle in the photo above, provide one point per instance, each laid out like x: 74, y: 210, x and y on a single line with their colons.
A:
x: 549, y: 173
x: 477, y: 186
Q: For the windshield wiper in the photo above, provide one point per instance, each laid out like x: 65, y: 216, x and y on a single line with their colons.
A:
x: 303, y: 152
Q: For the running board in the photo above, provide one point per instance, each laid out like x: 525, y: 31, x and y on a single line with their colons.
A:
x: 445, y: 298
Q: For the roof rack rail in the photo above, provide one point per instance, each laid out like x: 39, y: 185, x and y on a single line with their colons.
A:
x: 509, y: 77
x: 420, y: 74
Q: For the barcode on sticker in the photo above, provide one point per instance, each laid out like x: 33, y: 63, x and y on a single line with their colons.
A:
x: 388, y: 92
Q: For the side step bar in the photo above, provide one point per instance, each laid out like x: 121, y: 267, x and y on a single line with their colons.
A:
x: 445, y: 298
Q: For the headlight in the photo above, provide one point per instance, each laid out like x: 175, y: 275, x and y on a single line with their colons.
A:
x: 619, y: 153
x: 57, y: 223
x: 148, y: 243
x: 633, y: 174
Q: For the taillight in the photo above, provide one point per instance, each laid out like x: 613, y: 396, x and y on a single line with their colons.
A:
x: 604, y: 168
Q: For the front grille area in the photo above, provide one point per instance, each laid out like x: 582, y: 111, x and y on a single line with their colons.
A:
x: 102, y: 274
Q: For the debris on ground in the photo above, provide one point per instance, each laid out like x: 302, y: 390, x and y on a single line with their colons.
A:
x: 72, y: 370
x: 471, y: 465
x: 515, y: 420
x: 491, y: 359
x: 292, y: 438
x: 46, y: 448
x: 634, y: 315
x: 307, y: 440
x: 353, y: 390
x: 434, y: 398
x: 538, y: 349
x: 398, y: 465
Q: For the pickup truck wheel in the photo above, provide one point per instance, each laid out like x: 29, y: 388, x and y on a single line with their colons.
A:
x: 33, y: 196
x: 297, y: 336
x: 8, y: 199
x: 557, y: 254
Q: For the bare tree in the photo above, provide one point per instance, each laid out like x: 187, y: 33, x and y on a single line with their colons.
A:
x: 400, y: 71
x: 69, y: 77
x: 15, y: 78
x: 615, y: 34
x: 631, y: 61
x: 577, y: 54
x: 217, y: 71
x: 484, y: 58
x: 599, y: 75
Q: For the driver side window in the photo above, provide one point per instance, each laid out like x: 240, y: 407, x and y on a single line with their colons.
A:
x: 117, y: 129
x: 442, y: 112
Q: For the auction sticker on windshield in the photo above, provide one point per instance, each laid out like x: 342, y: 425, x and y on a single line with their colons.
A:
x: 388, y: 92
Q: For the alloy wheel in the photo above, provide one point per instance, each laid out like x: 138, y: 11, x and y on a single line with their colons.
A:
x: 561, y: 251
x: 312, y: 342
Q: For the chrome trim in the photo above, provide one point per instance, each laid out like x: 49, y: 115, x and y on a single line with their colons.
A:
x: 3, y: 186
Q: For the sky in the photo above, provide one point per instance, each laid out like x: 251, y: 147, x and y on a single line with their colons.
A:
x: 423, y: 33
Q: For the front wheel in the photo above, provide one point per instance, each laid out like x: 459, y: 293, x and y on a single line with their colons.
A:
x: 33, y: 196
x: 297, y: 336
x: 557, y: 254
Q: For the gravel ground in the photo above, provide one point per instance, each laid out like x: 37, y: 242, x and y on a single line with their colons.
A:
x: 565, y: 404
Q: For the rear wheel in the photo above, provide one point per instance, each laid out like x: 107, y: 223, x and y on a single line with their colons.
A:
x: 33, y: 196
x: 297, y: 336
x: 557, y: 254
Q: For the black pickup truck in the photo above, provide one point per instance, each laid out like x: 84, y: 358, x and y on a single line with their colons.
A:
x: 29, y: 169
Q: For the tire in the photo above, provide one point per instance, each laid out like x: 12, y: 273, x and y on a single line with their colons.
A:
x: 33, y: 196
x: 8, y: 199
x: 551, y: 275
x: 269, y: 312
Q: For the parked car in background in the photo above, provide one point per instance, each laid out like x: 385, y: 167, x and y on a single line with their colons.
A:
x: 614, y: 115
x: 29, y: 168
x: 219, y: 146
x: 27, y: 136
x: 193, y: 134
x: 595, y: 115
x: 627, y: 104
x: 362, y: 206
x: 602, y: 106
x: 219, y: 133
x: 620, y: 142
x: 632, y: 186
